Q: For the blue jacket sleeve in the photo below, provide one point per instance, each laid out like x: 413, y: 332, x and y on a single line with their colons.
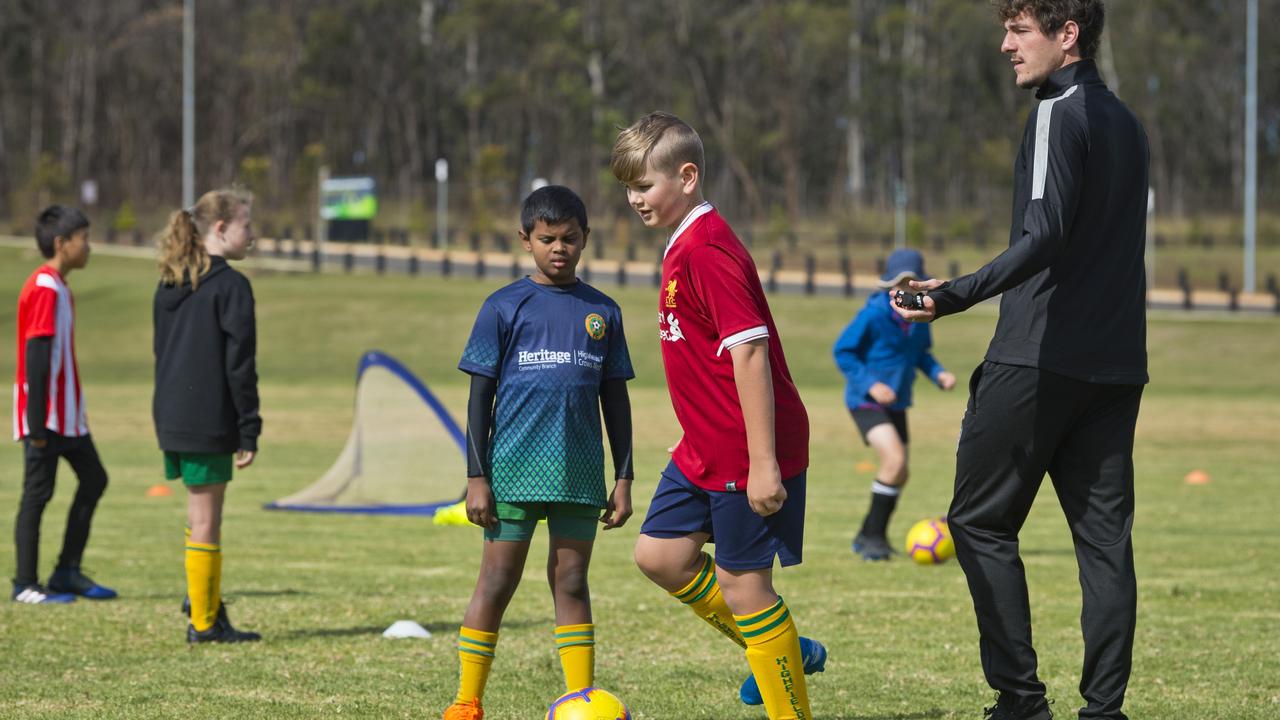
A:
x: 850, y: 353
x: 927, y: 363
x: 1058, y: 151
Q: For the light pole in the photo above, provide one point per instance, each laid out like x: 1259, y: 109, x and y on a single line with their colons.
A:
x: 442, y: 202
x: 1251, y: 149
x: 188, y: 103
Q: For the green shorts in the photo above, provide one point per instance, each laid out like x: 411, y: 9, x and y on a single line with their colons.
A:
x: 516, y: 521
x: 198, y: 468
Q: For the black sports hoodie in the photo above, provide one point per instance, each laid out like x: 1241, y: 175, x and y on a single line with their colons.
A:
x: 1073, y: 281
x: 206, y: 395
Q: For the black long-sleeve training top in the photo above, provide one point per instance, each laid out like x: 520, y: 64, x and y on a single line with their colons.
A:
x: 206, y: 396
x: 39, y: 360
x: 1073, y: 279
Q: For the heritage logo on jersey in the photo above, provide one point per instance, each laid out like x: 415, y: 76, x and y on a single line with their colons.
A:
x: 595, y: 326
x: 669, y: 327
x: 671, y: 293
x: 527, y: 358
x: 552, y: 359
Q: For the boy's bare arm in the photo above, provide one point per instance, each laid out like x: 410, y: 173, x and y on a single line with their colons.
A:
x: 751, y: 374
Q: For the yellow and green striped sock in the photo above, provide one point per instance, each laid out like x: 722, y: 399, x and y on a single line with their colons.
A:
x: 475, y: 658
x: 773, y: 652
x: 577, y: 647
x: 703, y: 597
x: 204, y: 582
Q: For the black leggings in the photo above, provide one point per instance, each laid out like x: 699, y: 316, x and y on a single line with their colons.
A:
x: 41, y: 467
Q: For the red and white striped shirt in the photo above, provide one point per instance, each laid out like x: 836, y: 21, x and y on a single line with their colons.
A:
x: 46, y: 309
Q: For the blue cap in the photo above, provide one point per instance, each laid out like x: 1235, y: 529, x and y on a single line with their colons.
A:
x: 903, y: 265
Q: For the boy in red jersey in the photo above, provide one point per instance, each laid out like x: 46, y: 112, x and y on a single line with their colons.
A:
x: 48, y: 413
x: 737, y: 476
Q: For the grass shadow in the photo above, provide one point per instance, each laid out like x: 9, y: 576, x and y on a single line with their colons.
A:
x: 230, y: 597
x: 923, y: 715
x: 332, y: 632
x: 435, y: 628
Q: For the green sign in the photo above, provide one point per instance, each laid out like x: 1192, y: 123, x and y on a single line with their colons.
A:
x: 348, y: 198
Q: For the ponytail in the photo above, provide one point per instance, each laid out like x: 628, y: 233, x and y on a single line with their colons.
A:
x: 180, y: 246
x: 181, y: 249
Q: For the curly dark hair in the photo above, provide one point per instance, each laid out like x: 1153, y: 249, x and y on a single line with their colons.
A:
x: 1089, y: 15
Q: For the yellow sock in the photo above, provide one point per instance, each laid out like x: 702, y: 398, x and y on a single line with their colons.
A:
x: 773, y: 652
x: 577, y: 647
x: 704, y: 599
x: 204, y: 580
x: 475, y: 657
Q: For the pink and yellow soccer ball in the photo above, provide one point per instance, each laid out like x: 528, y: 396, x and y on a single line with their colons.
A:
x: 588, y: 704
x: 929, y: 542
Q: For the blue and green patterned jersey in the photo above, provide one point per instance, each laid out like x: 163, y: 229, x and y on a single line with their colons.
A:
x: 550, y: 348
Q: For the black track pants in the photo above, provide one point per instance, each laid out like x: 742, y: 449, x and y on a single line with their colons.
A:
x: 41, y: 466
x: 1020, y: 424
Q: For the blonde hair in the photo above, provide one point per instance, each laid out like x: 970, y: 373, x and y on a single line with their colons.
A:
x: 660, y: 139
x: 180, y: 245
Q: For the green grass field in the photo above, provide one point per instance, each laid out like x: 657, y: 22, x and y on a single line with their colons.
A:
x: 902, y: 638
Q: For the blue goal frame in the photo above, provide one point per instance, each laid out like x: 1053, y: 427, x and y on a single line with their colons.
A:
x: 377, y: 358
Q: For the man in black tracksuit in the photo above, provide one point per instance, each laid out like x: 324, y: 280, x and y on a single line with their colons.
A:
x: 1060, y: 386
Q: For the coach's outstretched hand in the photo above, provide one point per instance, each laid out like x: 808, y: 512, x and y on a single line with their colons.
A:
x: 481, y: 507
x: 929, y: 312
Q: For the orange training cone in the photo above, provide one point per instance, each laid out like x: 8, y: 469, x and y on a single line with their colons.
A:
x: 159, y: 490
x: 1197, y: 477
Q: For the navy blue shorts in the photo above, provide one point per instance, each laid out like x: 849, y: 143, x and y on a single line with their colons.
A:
x: 743, y: 539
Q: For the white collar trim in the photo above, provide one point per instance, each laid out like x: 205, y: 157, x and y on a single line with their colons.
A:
x: 694, y: 214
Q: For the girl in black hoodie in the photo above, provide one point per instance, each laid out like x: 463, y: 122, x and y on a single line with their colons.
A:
x: 206, y: 396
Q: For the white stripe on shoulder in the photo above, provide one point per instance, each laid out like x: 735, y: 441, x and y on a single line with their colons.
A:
x: 694, y: 214
x: 739, y: 338
x: 1040, y: 164
x: 45, y: 280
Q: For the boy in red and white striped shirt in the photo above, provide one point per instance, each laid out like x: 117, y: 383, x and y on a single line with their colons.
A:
x: 48, y: 413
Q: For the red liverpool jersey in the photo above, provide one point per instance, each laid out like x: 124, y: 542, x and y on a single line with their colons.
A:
x: 46, y: 309
x: 710, y: 301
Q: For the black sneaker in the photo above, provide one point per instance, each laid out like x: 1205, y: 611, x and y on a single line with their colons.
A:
x: 872, y: 548
x: 36, y: 595
x: 70, y: 580
x: 220, y: 632
x: 1002, y: 710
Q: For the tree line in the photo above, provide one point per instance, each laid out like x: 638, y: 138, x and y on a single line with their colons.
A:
x: 811, y: 110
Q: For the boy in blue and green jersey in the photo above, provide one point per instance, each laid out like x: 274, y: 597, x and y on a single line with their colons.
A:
x: 546, y: 356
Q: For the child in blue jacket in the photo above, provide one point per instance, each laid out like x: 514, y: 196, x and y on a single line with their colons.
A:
x: 879, y: 354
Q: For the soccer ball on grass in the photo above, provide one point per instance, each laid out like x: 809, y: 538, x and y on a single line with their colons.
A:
x: 929, y: 542
x: 588, y: 704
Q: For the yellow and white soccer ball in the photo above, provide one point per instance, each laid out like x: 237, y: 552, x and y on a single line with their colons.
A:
x: 929, y: 542
x: 588, y: 704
